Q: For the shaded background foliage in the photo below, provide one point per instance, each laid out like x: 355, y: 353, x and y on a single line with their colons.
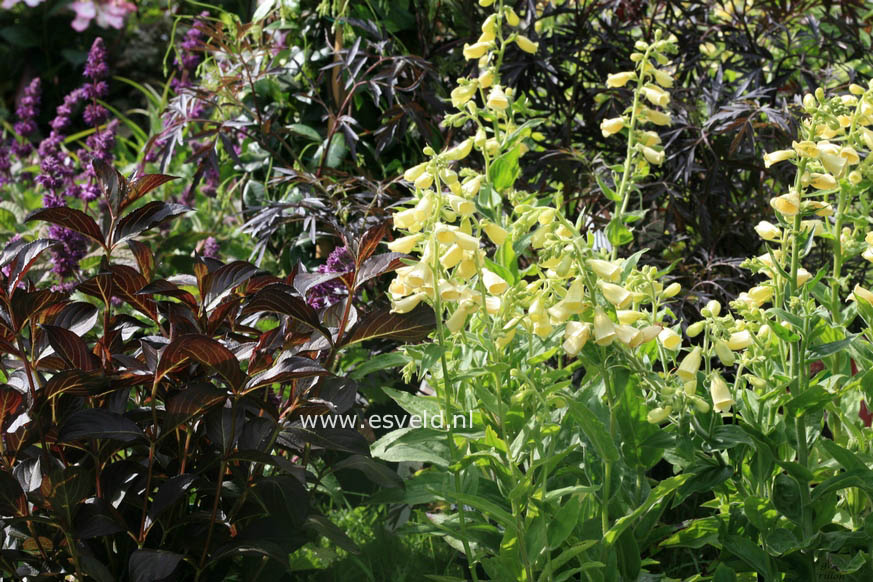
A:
x: 291, y: 130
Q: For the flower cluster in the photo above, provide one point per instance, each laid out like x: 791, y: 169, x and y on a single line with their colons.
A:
x: 327, y: 293
x: 59, y: 174
x: 25, y: 126
x: 106, y: 13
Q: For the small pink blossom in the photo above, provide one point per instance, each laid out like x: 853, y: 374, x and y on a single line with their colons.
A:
x: 108, y: 13
x: 7, y: 4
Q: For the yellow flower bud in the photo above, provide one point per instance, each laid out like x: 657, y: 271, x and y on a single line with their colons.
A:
x: 615, y: 294
x: 604, y: 329
x: 768, y: 231
x: 471, y: 187
x: 495, y: 232
x: 863, y: 294
x: 739, y: 340
x: 611, y: 126
x: 803, y: 276
x: 724, y: 353
x: 461, y: 205
x: 452, y: 256
x: 485, y: 3
x: 712, y: 308
x: 512, y: 18
x: 656, y: 95
x: 672, y: 290
x: 404, y: 244
x: 855, y: 177
x: 408, y: 304
x: 486, y: 78
x: 412, y: 174
x: 620, y: 79
x: 822, y: 181
x: 629, y: 316
x: 656, y: 117
x: 526, y: 44
x: 460, y: 151
x: 456, y: 322
x: 695, y: 328
x: 722, y: 400
x: 805, y: 149
x: 474, y: 51
x: 466, y: 241
x: 467, y: 268
x: 669, y: 339
x: 424, y: 181
x: 504, y: 340
x: 576, y: 335
x: 497, y: 99
x: 626, y: 334
x: 787, y: 204
x: 605, y: 269
x: 406, y: 220
x: 646, y: 335
x: 663, y: 78
x: 648, y: 138
x: 761, y: 294
x: 687, y: 370
x: 777, y: 156
x: 462, y: 93
x: 659, y: 415
x: 494, y: 283
x: 654, y: 157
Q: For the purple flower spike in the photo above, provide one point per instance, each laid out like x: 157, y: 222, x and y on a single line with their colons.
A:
x: 211, y: 248
x: 327, y: 293
x: 96, y: 67
x: 27, y: 112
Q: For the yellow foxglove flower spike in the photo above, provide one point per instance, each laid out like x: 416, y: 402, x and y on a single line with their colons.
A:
x: 526, y: 44
x: 768, y: 231
x: 787, y: 204
x: 404, y: 244
x: 497, y: 99
x: 615, y: 294
x: 778, y: 156
x: 722, y: 400
x: 620, y: 79
x: 475, y: 51
x: 659, y: 415
x: 604, y: 329
x: 494, y: 283
x: 687, y: 370
x: 740, y: 340
x: 669, y: 339
x: 611, y: 126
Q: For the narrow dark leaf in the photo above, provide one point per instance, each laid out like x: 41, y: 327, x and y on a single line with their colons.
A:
x: 71, y: 348
x: 96, y: 423
x: 141, y: 186
x: 285, y: 370
x: 29, y: 305
x: 377, y: 472
x: 70, y: 218
x: 168, y: 494
x: 370, y: 242
x: 21, y: 256
x: 144, y: 258
x: 225, y: 278
x: 144, y: 218
x: 76, y: 383
x: 112, y: 183
x: 97, y: 518
x: 333, y: 439
x: 379, y: 265
x: 152, y: 565
x: 278, y: 299
x: 78, y: 317
x: 410, y: 327
x: 204, y: 350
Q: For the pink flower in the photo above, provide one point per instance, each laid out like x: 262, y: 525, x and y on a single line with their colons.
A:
x: 7, y: 4
x: 109, y: 13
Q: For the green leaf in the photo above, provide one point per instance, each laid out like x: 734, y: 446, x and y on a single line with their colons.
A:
x: 701, y: 532
x: 504, y: 171
x: 724, y: 574
x: 377, y: 363
x: 787, y: 497
x: 304, y: 131
x: 782, y: 332
x: 661, y: 491
x: 422, y: 445
x: 750, y: 554
x: 618, y: 234
x: 565, y: 519
x: 813, y: 399
x: 607, y: 191
x: 417, y: 405
x: 596, y: 432
x: 823, y: 350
